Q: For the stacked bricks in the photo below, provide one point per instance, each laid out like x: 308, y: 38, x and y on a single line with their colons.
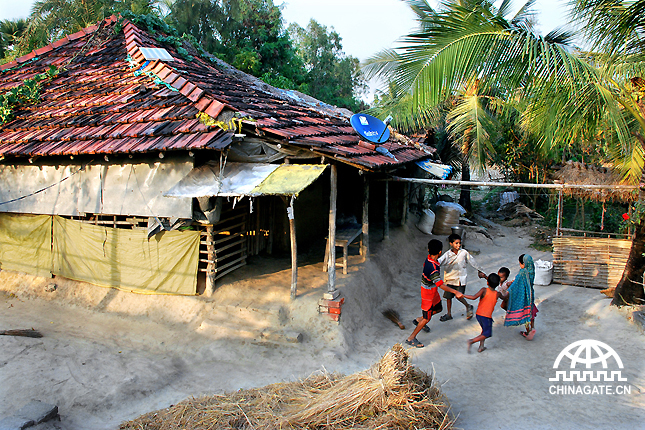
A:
x: 332, y: 308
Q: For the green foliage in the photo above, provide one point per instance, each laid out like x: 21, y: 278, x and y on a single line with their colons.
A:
x: 26, y: 93
x: 10, y: 32
x: 248, y: 34
x: 51, y: 20
x: 332, y: 76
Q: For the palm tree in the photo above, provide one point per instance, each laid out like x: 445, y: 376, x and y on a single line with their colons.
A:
x: 569, y: 95
x: 52, y: 19
x: 472, y: 123
x: 615, y: 28
x: 10, y: 31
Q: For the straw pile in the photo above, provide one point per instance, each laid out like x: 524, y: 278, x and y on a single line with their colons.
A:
x: 392, y: 394
x: 576, y: 173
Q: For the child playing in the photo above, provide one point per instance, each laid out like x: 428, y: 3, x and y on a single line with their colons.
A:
x: 454, y: 267
x: 504, y: 283
x: 430, y: 299
x: 487, y: 300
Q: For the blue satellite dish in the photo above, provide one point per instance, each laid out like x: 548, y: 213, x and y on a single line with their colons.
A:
x: 370, y: 128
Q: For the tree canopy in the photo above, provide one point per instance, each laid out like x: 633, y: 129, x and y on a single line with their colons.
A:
x: 248, y: 34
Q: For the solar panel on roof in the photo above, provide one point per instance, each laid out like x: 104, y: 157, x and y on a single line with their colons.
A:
x: 156, y: 54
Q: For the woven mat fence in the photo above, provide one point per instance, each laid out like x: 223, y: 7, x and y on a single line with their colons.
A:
x: 588, y: 261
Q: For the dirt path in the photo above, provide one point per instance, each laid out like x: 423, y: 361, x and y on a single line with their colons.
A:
x: 102, y: 367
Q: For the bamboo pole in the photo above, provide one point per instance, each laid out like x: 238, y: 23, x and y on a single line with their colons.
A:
x: 366, y: 219
x: 386, y: 215
x: 559, y: 221
x: 514, y: 184
x: 210, y: 267
x: 331, y: 243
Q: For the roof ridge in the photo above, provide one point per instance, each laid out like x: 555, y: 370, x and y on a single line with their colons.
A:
x: 200, y: 97
x: 58, y: 43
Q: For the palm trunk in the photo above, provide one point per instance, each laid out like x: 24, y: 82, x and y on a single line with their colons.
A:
x: 464, y: 196
x: 630, y: 288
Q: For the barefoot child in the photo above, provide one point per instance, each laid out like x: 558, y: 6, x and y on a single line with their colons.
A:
x: 454, y: 264
x: 487, y: 300
x: 430, y: 298
x: 504, y: 283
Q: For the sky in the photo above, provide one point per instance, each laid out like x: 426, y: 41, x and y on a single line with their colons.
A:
x: 366, y: 26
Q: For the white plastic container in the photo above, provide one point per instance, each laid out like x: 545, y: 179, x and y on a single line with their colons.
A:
x: 543, y: 272
x: 426, y: 221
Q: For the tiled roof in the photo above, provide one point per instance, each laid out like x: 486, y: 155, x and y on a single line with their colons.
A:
x: 109, y: 99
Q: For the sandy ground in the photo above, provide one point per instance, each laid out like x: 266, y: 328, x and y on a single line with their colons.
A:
x: 109, y: 356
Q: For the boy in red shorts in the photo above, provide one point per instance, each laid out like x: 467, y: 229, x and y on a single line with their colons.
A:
x: 487, y: 300
x: 430, y: 298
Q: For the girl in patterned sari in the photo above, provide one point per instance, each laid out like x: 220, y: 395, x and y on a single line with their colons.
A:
x: 521, y: 301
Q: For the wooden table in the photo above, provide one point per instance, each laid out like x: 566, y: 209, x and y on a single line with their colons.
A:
x: 344, y: 238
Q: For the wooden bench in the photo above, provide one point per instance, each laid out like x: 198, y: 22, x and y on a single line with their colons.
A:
x: 344, y: 238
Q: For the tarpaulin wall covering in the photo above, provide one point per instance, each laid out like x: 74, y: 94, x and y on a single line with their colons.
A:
x: 111, y: 257
x: 25, y: 243
x: 126, y: 259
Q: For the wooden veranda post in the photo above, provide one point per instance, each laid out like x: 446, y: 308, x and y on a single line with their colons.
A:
x: 559, y: 220
x: 210, y: 266
x: 406, y: 202
x: 331, y: 243
x: 366, y: 218
x: 294, y: 249
x: 386, y: 220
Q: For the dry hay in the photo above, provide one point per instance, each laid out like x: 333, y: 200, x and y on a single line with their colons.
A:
x: 576, y: 173
x: 392, y: 394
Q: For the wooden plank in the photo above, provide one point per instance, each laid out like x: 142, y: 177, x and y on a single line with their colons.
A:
x: 230, y: 227
x: 223, y: 248
x: 229, y: 237
x: 223, y: 267
x: 222, y: 257
x: 226, y: 272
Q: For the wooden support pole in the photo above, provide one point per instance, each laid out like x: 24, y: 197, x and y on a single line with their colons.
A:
x: 331, y: 243
x: 294, y: 249
x: 257, y: 227
x: 271, y: 225
x: 386, y: 220
x: 559, y: 220
x: 406, y: 202
x: 210, y: 267
x: 366, y: 218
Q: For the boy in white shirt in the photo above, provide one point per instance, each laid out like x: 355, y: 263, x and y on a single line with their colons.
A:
x: 454, y: 264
